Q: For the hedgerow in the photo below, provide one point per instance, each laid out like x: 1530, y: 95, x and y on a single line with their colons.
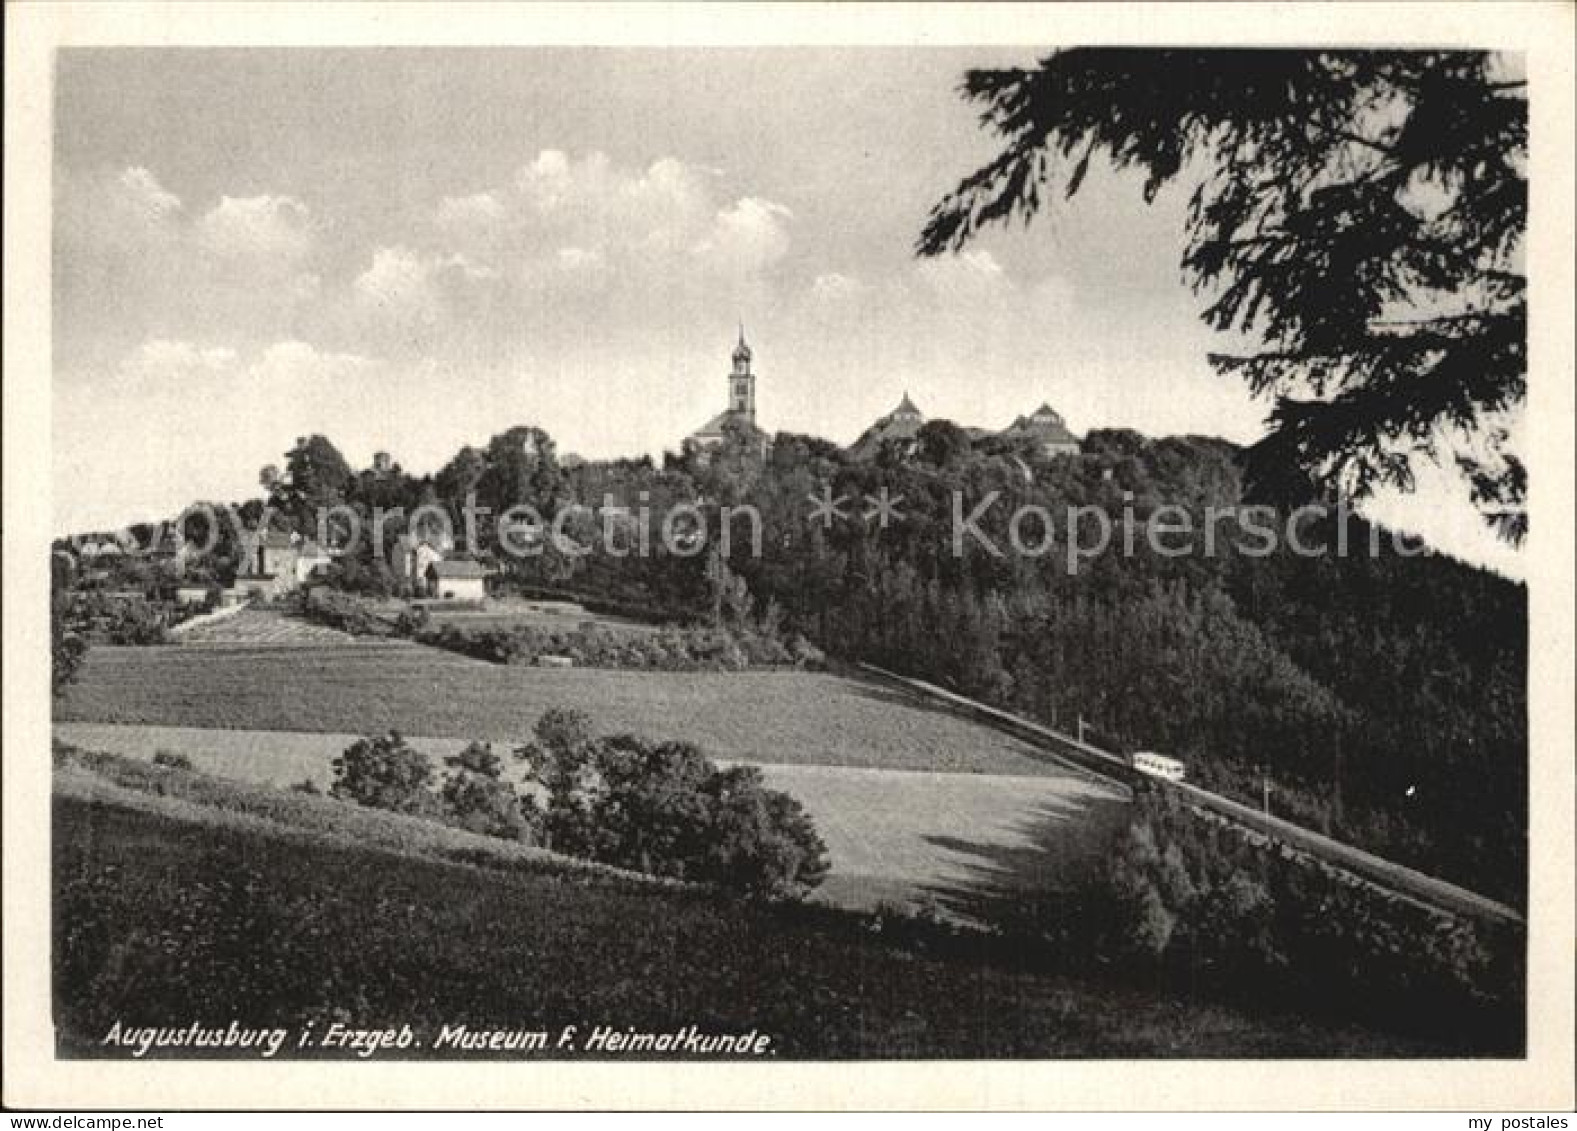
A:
x: 662, y: 808
x: 672, y: 648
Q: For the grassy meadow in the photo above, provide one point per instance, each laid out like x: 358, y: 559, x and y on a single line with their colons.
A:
x: 780, y: 717
x: 555, y: 616
x: 180, y: 897
x: 938, y: 841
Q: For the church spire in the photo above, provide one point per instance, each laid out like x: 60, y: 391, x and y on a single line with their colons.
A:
x: 742, y: 382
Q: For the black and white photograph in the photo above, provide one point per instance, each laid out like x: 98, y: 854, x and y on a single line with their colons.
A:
x: 1027, y: 550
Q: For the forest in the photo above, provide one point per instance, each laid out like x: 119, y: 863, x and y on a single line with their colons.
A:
x: 1376, y: 696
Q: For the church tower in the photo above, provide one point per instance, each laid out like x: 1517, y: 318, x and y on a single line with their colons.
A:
x: 738, y: 420
x: 742, y: 382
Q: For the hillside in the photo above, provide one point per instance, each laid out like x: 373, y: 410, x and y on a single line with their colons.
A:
x: 1382, y: 691
x: 809, y: 718
x: 1372, y: 692
x: 168, y: 911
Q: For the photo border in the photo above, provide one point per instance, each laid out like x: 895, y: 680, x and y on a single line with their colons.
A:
x: 34, y: 1078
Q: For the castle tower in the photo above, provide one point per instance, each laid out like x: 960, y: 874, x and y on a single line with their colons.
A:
x: 742, y: 382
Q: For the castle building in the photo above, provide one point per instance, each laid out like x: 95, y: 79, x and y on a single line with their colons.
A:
x: 1045, y: 430
x: 901, y: 425
x: 740, y: 415
x: 1041, y: 432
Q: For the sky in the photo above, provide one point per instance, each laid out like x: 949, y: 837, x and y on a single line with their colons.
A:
x: 411, y: 250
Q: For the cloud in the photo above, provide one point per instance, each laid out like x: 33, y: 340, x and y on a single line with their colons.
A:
x: 747, y: 237
x: 655, y: 225
x: 293, y: 361
x: 144, y: 196
x: 478, y: 209
x: 177, y: 363
x: 397, y: 278
x: 180, y: 419
x: 133, y: 256
x: 110, y: 215
x: 403, y: 283
x: 181, y: 368
x: 564, y: 240
x: 834, y: 288
x: 257, y: 227
x: 964, y: 276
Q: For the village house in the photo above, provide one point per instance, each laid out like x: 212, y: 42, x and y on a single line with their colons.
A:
x: 457, y: 581
x: 414, y: 554
x: 268, y: 564
x: 192, y: 594
x: 312, y: 561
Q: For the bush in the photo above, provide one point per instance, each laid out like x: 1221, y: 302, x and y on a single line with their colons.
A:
x: 1228, y: 908
x: 412, y: 622
x: 666, y: 809
x: 343, y: 611
x: 477, y: 798
x: 172, y: 761
x: 67, y: 647
x: 385, y: 773
x: 662, y: 808
x: 593, y: 645
x: 562, y: 761
x: 110, y: 618
x: 759, y: 841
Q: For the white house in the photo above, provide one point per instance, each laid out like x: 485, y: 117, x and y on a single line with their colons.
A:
x: 413, y: 556
x: 312, y: 559
x: 457, y: 581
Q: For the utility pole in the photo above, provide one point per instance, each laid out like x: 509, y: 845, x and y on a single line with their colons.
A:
x: 1264, y: 773
x: 1081, y: 728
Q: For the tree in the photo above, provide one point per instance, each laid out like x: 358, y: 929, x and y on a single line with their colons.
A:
x: 942, y: 444
x: 477, y: 798
x: 459, y: 477
x: 562, y: 759
x: 760, y: 841
x: 521, y: 467
x: 385, y: 773
x: 1360, y: 213
x: 67, y: 648
x: 316, y: 477
x: 728, y: 591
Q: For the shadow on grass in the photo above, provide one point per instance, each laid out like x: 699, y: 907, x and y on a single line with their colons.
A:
x: 1056, y: 851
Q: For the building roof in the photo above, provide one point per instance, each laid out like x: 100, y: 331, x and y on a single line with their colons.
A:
x: 715, y: 429
x: 742, y: 350
x: 902, y: 423
x: 278, y: 539
x: 1044, y: 424
x: 457, y: 569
